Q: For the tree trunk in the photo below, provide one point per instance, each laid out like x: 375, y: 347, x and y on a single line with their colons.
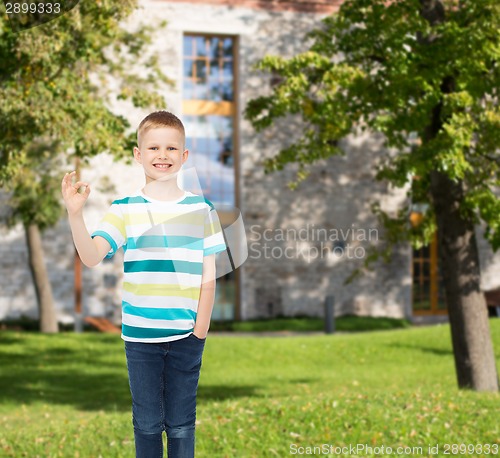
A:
x: 459, y: 258
x: 43, y: 290
x: 458, y: 255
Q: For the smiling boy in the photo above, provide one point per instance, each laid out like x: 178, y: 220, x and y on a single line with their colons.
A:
x: 170, y: 237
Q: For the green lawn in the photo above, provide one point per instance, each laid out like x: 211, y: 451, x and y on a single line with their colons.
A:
x: 67, y: 395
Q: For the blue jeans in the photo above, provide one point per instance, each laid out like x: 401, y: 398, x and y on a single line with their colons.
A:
x: 163, y: 381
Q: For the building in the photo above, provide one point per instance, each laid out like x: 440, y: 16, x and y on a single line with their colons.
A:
x: 302, y: 245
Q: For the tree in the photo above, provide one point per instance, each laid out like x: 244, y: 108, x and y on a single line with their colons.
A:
x: 56, y: 83
x: 425, y: 70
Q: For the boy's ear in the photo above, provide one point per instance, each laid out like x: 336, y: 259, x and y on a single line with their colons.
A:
x: 185, y: 155
x: 137, y: 154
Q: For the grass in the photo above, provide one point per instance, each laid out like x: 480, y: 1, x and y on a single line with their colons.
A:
x: 67, y: 395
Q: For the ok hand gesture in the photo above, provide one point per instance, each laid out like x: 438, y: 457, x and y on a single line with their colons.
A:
x: 74, y: 200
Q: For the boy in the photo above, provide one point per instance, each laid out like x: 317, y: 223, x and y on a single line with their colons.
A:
x: 170, y: 237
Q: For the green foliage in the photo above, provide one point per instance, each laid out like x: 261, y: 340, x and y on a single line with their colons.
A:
x: 383, y: 67
x: 298, y: 324
x: 56, y: 82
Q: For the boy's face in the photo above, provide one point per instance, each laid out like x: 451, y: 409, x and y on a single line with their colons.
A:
x: 161, y: 153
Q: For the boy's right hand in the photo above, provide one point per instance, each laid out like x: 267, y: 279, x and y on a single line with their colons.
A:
x: 74, y: 200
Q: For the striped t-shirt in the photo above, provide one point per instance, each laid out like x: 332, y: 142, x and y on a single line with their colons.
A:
x: 164, y: 244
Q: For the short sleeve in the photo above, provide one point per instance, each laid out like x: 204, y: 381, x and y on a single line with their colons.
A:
x: 214, y: 238
x: 112, y: 228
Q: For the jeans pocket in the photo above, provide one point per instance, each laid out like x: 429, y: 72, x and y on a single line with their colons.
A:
x: 199, y: 339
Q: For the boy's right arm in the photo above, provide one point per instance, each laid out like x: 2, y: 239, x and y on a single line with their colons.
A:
x: 91, y: 250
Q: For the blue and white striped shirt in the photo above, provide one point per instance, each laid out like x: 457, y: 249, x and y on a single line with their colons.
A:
x: 164, y: 243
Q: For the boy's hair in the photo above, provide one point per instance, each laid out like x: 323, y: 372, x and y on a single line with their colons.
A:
x: 159, y: 119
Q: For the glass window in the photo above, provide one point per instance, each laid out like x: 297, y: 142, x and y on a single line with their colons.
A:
x: 210, y: 138
x: 208, y: 93
x: 208, y: 114
x: 428, y: 292
x: 209, y: 68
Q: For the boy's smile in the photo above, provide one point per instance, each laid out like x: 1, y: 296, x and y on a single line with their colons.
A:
x: 161, y: 153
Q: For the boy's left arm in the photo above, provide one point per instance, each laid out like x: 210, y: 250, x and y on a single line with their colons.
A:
x: 207, y: 297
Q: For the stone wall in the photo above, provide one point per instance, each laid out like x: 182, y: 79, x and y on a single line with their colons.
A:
x: 490, y: 262
x: 309, y: 6
x: 307, y: 242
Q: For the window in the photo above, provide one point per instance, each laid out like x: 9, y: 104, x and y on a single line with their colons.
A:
x: 208, y: 112
x: 428, y: 291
